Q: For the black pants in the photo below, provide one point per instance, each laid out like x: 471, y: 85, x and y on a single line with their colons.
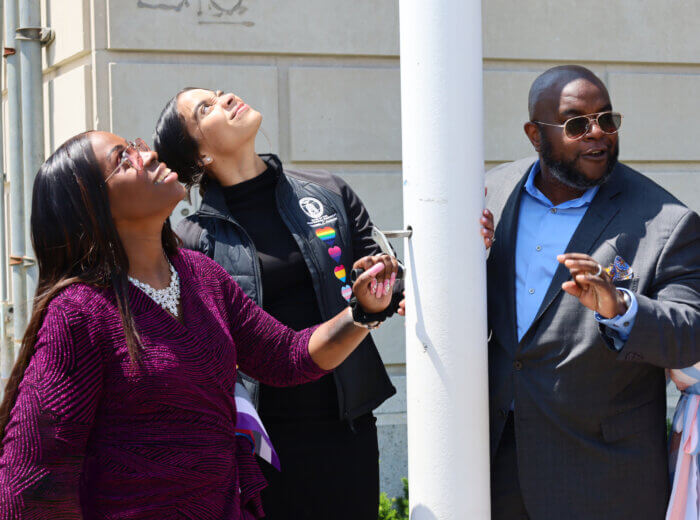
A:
x: 506, y: 496
x: 328, y: 471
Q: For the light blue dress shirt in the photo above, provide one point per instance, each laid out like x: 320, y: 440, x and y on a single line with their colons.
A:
x: 544, y: 231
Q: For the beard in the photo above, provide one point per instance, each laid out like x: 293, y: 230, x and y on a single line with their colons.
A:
x: 566, y: 171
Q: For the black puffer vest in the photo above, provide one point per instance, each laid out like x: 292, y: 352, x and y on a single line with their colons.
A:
x: 316, y: 217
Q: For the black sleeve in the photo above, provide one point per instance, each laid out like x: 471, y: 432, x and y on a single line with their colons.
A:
x: 360, y: 223
x: 362, y: 242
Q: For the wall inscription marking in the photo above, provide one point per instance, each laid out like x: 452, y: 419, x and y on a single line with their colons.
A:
x: 220, y: 12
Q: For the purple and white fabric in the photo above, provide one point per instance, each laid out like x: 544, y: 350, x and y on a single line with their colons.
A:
x: 684, y: 446
x: 249, y: 424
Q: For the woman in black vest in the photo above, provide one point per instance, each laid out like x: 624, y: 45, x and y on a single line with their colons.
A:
x: 289, y: 239
x: 286, y: 237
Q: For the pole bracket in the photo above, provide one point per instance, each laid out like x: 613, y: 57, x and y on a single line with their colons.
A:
x: 44, y: 35
x: 403, y: 233
x: 25, y: 261
x: 8, y: 51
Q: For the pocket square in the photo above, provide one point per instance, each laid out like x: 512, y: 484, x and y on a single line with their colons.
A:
x: 619, y: 270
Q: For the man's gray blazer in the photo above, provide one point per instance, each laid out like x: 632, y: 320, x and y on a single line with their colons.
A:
x: 590, y: 421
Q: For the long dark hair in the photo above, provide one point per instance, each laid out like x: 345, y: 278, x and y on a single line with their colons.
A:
x: 75, y: 240
x: 176, y: 147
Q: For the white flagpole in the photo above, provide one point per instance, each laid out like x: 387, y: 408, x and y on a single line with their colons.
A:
x: 446, y: 329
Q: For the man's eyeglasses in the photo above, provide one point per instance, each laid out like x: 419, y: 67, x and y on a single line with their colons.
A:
x: 578, y: 126
x: 131, y: 157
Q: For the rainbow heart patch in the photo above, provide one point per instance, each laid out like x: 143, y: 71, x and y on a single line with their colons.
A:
x: 327, y: 234
x: 340, y: 273
x: 335, y: 253
x: 346, y: 291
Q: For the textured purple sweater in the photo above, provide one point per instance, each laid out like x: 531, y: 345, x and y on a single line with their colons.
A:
x: 91, y: 436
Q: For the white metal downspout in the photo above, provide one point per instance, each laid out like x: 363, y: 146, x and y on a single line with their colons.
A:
x: 5, y: 342
x: 30, y: 34
x: 14, y: 170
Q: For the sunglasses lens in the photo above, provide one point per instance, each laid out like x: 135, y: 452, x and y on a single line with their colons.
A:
x: 132, y: 159
x: 141, y: 145
x: 134, y: 152
x: 576, y: 127
x: 610, y: 122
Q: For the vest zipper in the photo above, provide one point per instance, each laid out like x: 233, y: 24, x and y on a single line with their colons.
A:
x: 320, y: 297
x: 307, y: 257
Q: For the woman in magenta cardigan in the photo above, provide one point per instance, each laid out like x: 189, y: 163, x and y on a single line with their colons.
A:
x: 121, y: 403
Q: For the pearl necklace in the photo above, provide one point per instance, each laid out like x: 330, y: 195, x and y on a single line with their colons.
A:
x: 168, y: 298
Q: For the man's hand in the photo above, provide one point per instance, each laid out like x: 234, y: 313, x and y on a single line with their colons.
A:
x: 487, y: 228
x: 592, y: 285
x: 402, y: 305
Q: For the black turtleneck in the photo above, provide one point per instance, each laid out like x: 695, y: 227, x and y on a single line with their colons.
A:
x: 288, y: 293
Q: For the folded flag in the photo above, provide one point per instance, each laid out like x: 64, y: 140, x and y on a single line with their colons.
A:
x: 249, y: 425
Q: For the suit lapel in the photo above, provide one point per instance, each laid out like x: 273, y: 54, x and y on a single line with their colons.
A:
x: 506, y: 236
x: 599, y: 214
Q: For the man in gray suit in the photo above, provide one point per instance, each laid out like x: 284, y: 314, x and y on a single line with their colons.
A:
x: 580, y: 340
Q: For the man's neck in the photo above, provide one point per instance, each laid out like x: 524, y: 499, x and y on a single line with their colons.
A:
x: 552, y: 188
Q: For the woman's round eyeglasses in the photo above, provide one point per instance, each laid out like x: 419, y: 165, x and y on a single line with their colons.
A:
x: 131, y: 157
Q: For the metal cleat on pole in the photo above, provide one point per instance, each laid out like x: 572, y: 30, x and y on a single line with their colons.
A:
x: 381, y: 239
x: 403, y: 233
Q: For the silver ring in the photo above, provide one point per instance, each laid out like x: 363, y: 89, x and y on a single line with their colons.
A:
x: 599, y: 271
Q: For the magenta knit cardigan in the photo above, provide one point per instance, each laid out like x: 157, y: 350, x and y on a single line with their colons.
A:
x: 91, y: 436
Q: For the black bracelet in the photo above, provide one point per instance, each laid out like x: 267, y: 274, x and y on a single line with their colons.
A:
x: 360, y: 317
x: 373, y: 320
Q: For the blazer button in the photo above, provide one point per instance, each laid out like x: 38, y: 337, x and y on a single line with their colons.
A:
x: 517, y: 364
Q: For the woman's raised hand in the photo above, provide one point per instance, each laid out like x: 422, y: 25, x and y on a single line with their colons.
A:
x: 335, y: 339
x: 373, y: 288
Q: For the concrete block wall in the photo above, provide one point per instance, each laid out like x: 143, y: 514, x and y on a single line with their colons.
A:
x: 325, y: 75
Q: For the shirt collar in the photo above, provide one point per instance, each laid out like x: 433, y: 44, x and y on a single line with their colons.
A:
x: 532, y: 190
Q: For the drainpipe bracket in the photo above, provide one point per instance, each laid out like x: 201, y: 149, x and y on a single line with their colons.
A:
x: 44, y: 35
x: 6, y: 311
x: 8, y: 51
x: 6, y: 315
x: 25, y: 261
